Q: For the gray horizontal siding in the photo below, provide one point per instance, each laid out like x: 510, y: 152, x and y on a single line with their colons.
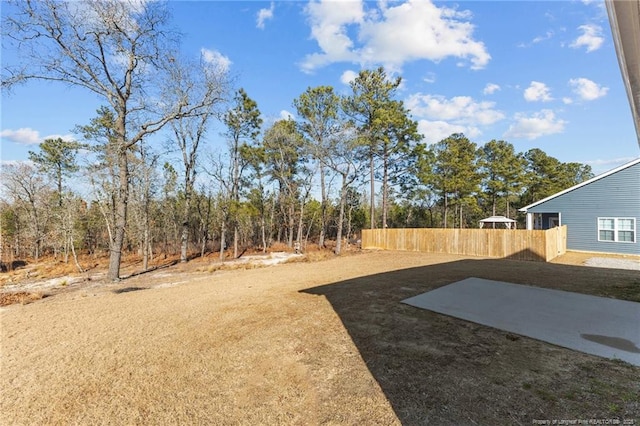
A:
x: 616, y: 195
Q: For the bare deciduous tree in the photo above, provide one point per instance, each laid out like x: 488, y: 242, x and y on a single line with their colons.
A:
x: 205, y: 80
x: 30, y: 191
x: 123, y: 52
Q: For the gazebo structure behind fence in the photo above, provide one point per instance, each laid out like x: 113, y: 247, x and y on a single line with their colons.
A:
x: 498, y: 222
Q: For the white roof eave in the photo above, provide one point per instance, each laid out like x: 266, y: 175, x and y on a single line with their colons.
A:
x: 624, y: 17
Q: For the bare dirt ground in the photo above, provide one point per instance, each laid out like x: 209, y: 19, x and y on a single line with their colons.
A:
x: 309, y: 342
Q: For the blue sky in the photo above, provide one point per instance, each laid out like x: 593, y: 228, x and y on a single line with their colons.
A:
x: 540, y: 74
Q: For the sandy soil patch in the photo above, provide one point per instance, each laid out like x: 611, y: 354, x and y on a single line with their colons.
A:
x: 614, y: 263
x: 302, y: 343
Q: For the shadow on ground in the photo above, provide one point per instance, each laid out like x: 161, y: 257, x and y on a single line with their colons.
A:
x: 436, y: 369
x: 164, y: 265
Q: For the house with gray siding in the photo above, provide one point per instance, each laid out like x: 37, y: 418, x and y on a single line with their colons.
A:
x: 602, y: 214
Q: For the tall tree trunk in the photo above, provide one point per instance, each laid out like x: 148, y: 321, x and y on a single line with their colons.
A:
x: 323, y: 208
x: 145, y: 246
x: 38, y: 232
x: 263, y: 233
x: 121, y: 204
x: 205, y: 226
x: 184, y: 241
x: 300, y: 224
x: 373, y: 190
x: 59, y: 181
x: 349, y: 220
x: 145, y: 227
x: 235, y: 194
x: 186, y: 212
x: 203, y: 245
x: 37, y: 251
x: 235, y: 240
x: 343, y: 202
x: 166, y: 245
x: 385, y: 189
x: 446, y: 210
x: 271, y: 221
x: 306, y: 238
x: 223, y: 242
x: 291, y: 224
x: 65, y: 249
x: 75, y: 256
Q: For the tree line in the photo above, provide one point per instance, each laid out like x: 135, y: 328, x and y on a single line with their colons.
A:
x: 346, y: 162
x: 262, y: 192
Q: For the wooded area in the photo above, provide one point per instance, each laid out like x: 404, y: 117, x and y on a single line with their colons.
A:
x: 297, y: 181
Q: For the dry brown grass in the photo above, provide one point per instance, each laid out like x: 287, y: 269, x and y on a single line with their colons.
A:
x: 280, y: 247
x: 323, y: 342
x: 21, y: 297
x: 315, y: 256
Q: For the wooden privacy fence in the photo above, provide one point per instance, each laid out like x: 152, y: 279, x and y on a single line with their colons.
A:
x: 504, y: 243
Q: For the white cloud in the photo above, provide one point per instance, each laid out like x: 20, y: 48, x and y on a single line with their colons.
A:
x: 600, y: 166
x: 457, y: 108
x: 610, y: 163
x: 429, y: 78
x: 264, y: 15
x: 586, y: 89
x: 28, y: 136
x: 68, y: 137
x: 329, y: 28
x: 215, y: 58
x: 391, y: 35
x: 547, y: 36
x: 490, y: 89
x: 591, y: 37
x: 538, y: 124
x: 24, y: 136
x: 537, y: 92
x: 439, y: 116
x: 286, y: 115
x: 348, y: 76
x: 435, y: 131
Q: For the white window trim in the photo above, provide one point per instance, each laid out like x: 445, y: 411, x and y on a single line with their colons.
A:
x: 616, y: 230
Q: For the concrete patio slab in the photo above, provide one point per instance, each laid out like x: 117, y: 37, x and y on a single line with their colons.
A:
x: 599, y: 326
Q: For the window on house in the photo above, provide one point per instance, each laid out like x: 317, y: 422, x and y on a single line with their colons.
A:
x: 617, y: 229
x: 626, y: 230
